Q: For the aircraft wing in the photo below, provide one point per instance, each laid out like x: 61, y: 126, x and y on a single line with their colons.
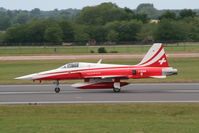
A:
x: 159, y: 77
x: 107, y: 77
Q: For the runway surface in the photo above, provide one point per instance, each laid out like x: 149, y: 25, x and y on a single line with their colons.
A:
x: 133, y: 93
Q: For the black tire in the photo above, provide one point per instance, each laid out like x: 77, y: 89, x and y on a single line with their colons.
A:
x: 116, y: 90
x: 57, y: 89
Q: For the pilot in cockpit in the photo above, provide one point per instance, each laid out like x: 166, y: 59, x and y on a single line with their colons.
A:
x: 70, y: 65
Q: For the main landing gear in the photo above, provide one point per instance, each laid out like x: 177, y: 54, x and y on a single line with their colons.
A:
x: 57, y: 89
x: 116, y: 87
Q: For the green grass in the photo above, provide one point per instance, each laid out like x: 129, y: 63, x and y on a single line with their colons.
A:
x: 100, y: 118
x: 68, y: 50
x: 187, y: 68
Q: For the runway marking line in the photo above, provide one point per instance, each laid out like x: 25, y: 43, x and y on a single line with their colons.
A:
x: 140, y: 84
x: 65, y: 92
x: 90, y: 102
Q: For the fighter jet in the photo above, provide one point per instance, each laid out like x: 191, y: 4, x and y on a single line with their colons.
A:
x: 109, y: 76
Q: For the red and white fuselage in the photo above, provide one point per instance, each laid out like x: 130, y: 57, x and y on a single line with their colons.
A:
x: 98, y: 75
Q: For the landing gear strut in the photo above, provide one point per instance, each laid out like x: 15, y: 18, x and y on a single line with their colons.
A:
x: 57, y: 89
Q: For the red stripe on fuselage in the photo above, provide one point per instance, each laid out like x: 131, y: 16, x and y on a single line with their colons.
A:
x: 57, y: 74
x: 80, y: 70
x: 142, y: 72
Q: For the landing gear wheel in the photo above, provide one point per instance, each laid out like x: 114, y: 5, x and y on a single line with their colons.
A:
x: 116, y: 89
x: 57, y: 89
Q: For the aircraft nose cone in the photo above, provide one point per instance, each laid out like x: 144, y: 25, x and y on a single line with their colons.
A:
x: 27, y: 77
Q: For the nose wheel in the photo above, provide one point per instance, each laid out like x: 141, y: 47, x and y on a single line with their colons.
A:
x: 57, y: 89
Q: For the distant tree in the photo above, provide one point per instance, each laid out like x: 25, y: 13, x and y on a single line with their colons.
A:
x: 114, y: 25
x: 96, y: 32
x: 127, y: 30
x: 187, y: 13
x: 81, y: 37
x: 147, y: 32
x: 193, y: 29
x: 5, y: 21
x: 21, y: 18
x: 129, y: 14
x: 2, y: 37
x: 35, y: 31
x: 148, y: 9
x: 80, y: 33
x: 101, y: 14
x: 112, y: 36
x: 104, y: 22
x: 168, y: 30
x: 168, y: 15
x: 68, y: 31
x: 2, y: 9
x: 142, y: 17
x: 53, y: 34
x: 35, y: 12
x: 64, y: 14
x: 16, y: 34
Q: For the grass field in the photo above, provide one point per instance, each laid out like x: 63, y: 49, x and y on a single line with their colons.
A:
x: 187, y: 68
x: 100, y: 118
x: 65, y: 50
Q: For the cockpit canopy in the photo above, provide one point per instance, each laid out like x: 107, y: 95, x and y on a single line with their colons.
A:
x: 70, y: 65
x: 84, y: 65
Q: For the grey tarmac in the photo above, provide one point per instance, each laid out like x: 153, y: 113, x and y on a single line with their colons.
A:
x: 133, y: 93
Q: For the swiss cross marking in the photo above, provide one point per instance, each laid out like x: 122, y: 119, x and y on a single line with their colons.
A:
x: 162, y: 61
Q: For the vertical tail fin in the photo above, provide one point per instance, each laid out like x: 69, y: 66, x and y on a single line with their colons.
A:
x: 155, y: 57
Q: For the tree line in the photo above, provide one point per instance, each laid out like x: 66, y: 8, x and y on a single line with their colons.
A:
x: 103, y: 23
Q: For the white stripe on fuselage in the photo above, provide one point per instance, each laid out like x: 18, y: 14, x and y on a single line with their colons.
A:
x: 98, y: 67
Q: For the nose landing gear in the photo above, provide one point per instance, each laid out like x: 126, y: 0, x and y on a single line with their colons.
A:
x: 57, y: 89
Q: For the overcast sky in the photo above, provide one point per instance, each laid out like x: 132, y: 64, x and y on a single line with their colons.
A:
x: 64, y: 4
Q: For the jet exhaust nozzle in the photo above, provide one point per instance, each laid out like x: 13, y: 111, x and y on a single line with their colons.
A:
x: 169, y: 71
